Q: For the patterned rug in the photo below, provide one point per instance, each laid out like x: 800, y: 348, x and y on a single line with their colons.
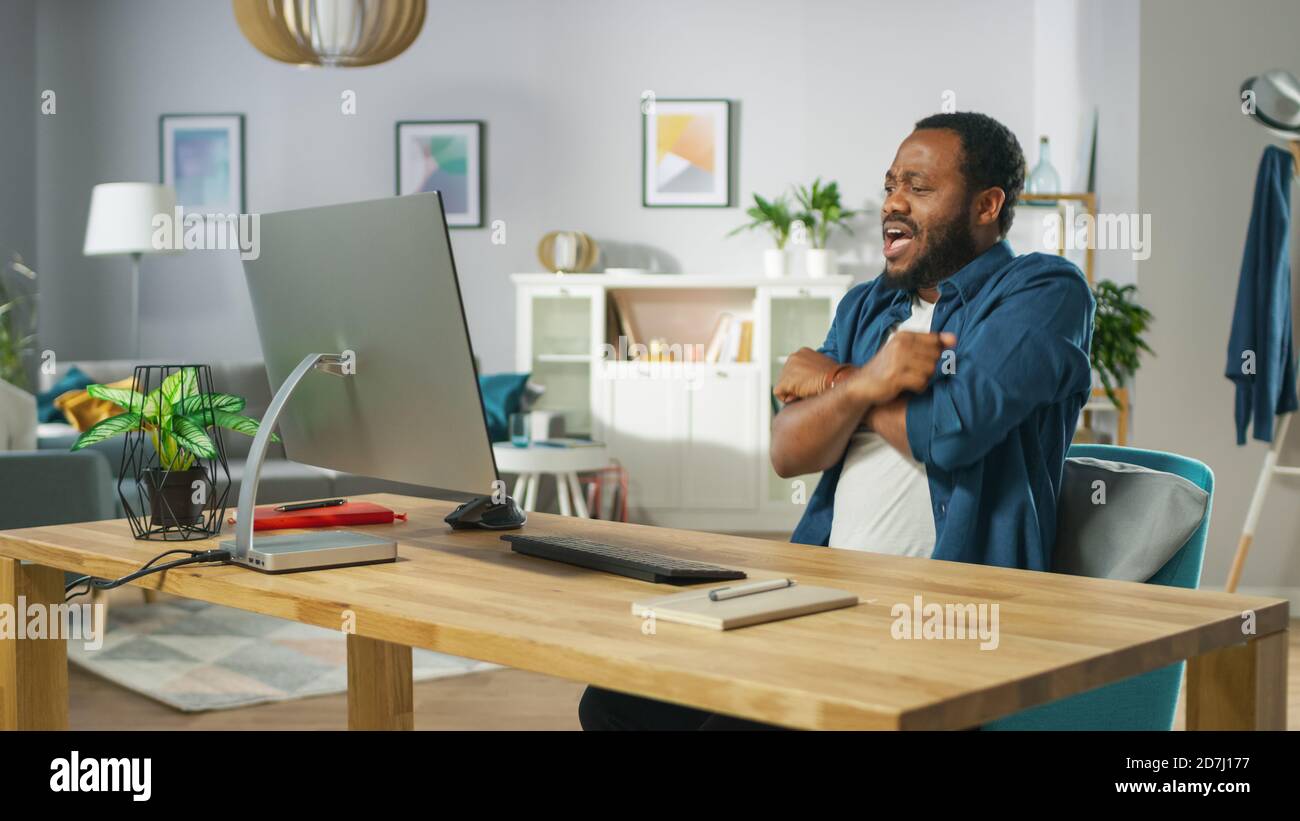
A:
x: 196, y: 656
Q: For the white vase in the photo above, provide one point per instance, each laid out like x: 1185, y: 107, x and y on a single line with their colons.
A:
x: 819, y: 263
x: 774, y: 263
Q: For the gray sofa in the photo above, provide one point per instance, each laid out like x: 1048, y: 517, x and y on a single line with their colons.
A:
x: 59, y: 486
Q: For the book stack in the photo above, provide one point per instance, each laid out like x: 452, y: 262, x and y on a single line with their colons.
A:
x: 732, y: 340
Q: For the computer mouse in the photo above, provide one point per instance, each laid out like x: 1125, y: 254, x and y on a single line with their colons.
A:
x: 482, y: 512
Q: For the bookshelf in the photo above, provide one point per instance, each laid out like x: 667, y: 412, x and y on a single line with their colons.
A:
x: 694, y: 436
x: 1099, y: 402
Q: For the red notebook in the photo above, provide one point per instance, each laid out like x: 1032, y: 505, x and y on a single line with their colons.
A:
x: 348, y: 514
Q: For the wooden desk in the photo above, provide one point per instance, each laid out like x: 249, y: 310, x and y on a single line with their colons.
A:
x: 468, y: 594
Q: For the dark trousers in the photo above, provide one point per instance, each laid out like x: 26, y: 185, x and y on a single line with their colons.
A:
x: 608, y: 710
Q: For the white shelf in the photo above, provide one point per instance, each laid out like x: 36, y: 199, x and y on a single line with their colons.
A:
x: 680, y: 280
x: 1104, y: 406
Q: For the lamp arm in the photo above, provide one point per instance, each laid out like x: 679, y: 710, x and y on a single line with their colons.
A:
x: 328, y: 362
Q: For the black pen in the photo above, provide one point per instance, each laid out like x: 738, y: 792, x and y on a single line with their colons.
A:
x: 311, y: 505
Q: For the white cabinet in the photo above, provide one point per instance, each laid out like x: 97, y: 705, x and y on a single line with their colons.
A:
x: 688, y: 436
x: 720, y: 445
x: 643, y: 420
x: 693, y: 436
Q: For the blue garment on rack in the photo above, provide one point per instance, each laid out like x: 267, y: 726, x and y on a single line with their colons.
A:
x: 1261, y: 322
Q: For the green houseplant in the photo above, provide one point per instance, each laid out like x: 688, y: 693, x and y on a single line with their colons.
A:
x: 775, y: 217
x: 16, y: 336
x: 1117, y: 341
x: 822, y: 205
x: 176, y: 416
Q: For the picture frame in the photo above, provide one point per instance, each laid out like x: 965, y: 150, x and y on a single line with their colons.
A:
x: 201, y: 156
x: 686, y: 153
x: 444, y: 156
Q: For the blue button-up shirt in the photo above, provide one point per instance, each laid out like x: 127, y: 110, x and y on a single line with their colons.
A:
x: 993, y: 426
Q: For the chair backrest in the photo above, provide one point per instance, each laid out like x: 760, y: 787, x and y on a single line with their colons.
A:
x: 1184, y: 568
x: 1147, y: 701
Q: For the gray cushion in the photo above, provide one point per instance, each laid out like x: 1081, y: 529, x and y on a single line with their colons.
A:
x: 1147, y: 516
x: 44, y: 487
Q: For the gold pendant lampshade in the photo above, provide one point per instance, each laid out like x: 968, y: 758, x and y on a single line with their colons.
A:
x: 336, y: 33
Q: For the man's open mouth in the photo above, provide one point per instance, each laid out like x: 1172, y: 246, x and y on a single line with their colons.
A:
x: 897, y: 238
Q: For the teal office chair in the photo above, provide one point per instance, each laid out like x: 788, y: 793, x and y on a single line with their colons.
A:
x: 1148, y: 701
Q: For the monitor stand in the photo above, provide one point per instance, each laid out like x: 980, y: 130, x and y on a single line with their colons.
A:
x: 291, y: 552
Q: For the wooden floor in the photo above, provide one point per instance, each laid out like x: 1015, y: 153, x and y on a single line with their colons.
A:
x: 496, y: 700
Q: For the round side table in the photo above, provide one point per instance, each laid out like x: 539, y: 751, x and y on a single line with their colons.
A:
x: 563, y: 463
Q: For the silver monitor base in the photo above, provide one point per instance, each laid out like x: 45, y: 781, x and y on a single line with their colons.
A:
x: 313, y: 551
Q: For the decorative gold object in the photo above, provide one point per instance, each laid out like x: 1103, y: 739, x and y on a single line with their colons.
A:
x: 333, y: 33
x: 583, y: 252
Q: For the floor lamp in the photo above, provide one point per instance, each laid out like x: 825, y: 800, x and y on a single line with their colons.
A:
x: 121, y: 221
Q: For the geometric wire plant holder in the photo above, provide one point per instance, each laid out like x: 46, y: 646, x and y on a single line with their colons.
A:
x: 184, y: 495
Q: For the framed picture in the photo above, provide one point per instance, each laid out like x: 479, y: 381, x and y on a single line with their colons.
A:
x: 686, y: 154
x: 444, y: 156
x: 201, y: 156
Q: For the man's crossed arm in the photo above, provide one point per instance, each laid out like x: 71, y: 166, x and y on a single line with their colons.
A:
x: 827, y: 401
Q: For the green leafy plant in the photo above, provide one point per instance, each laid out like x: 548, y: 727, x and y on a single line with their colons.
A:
x: 1117, y: 331
x: 822, y: 205
x: 176, y: 416
x: 772, y: 215
x: 16, y: 333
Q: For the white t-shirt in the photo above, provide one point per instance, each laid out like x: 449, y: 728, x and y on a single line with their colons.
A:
x: 882, y: 501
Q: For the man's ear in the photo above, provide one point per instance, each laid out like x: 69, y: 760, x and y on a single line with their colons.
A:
x: 988, y: 205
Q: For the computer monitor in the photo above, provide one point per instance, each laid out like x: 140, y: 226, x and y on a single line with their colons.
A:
x: 359, y: 312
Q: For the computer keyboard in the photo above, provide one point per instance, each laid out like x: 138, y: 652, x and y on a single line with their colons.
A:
x: 622, y: 561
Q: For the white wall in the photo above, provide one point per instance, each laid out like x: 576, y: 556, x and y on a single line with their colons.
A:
x: 1198, y: 156
x: 824, y: 88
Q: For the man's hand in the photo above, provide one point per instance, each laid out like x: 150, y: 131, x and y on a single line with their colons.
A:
x: 904, y: 365
x: 804, y: 375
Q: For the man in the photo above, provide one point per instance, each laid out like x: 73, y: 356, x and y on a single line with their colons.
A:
x: 942, y: 403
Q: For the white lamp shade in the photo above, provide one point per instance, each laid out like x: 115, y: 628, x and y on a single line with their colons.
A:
x: 121, y: 217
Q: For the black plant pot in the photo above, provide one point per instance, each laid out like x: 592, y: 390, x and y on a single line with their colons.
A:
x: 171, y: 496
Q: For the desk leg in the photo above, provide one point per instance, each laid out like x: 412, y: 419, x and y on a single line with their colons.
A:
x: 380, y: 688
x: 1242, y: 687
x: 33, y: 672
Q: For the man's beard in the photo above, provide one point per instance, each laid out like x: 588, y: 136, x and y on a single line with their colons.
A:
x: 950, y: 247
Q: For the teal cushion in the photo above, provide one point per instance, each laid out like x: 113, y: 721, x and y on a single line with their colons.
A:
x: 73, y: 380
x: 501, y: 393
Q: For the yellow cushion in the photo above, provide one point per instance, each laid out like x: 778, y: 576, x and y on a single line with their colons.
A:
x: 84, y: 411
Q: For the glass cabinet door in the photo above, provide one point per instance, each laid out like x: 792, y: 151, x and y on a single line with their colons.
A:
x: 798, y: 320
x: 562, y: 353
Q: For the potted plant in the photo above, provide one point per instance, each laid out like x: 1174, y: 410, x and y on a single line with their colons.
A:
x: 822, y: 204
x: 1117, y: 336
x: 176, y: 416
x: 774, y: 216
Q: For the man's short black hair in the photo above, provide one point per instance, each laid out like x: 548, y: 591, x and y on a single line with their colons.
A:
x: 991, y: 156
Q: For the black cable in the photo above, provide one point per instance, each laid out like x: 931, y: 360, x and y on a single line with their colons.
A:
x: 148, y: 564
x: 194, y: 557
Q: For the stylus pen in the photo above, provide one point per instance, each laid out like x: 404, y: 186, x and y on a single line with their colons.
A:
x: 724, y: 593
x: 311, y: 505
